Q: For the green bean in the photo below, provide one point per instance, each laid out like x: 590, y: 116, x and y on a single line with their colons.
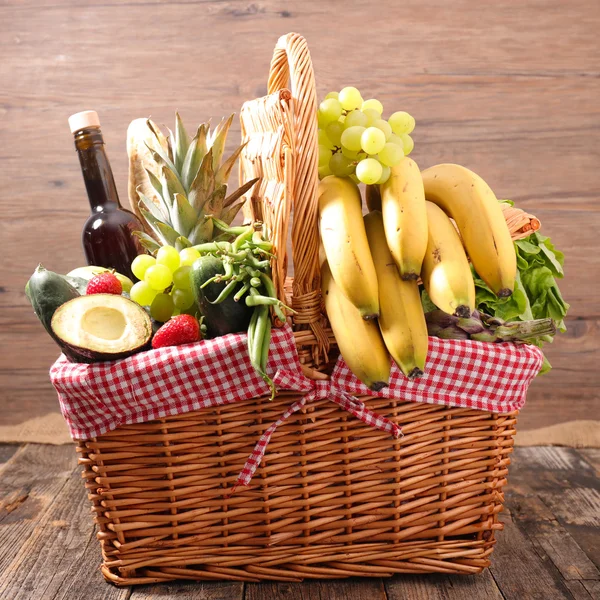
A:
x: 269, y: 285
x: 264, y: 354
x: 260, y: 346
x: 251, y: 271
x: 207, y: 248
x: 226, y: 228
x: 236, y: 256
x: 258, y: 300
x: 252, y: 260
x: 241, y: 292
x: 255, y: 282
x: 242, y: 238
x: 260, y: 327
x: 225, y: 293
x: 251, y: 332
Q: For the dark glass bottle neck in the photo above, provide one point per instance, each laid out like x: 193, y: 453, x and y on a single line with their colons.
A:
x: 97, y: 174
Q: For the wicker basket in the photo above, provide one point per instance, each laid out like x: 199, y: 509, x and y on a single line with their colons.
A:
x: 333, y: 497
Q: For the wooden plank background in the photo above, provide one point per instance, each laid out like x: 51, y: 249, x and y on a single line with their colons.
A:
x: 509, y: 89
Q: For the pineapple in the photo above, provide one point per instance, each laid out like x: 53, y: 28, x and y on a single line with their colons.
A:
x: 179, y: 182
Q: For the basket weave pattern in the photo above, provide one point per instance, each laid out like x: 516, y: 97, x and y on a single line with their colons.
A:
x: 332, y: 497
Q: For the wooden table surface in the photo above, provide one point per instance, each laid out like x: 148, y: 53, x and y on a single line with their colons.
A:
x: 549, y: 549
x: 509, y: 89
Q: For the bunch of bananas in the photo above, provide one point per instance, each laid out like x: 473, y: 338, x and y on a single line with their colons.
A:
x: 370, y: 278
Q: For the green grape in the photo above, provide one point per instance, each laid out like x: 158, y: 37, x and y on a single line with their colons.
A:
x: 354, y: 178
x: 391, y: 155
x: 324, y: 171
x: 332, y: 95
x: 350, y: 98
x: 330, y: 110
x: 349, y: 153
x: 142, y: 293
x: 354, y: 118
x: 402, y: 122
x: 372, y: 104
x: 351, y: 138
x: 385, y: 175
x: 181, y: 278
x: 158, y: 277
x: 342, y: 119
x: 141, y: 263
x: 396, y: 139
x: 182, y: 299
x: 168, y: 256
x: 188, y: 256
x: 384, y: 126
x: 334, y: 132
x: 324, y: 139
x: 372, y: 140
x: 407, y: 142
x: 369, y: 171
x: 324, y: 156
x: 340, y: 165
x: 372, y: 116
x: 161, y: 308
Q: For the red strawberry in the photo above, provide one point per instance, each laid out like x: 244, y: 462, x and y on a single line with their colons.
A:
x: 105, y: 283
x: 182, y: 329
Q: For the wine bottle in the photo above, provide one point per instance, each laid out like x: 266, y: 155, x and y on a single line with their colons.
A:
x: 107, y: 237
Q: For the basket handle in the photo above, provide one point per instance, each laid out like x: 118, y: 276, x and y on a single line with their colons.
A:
x: 291, y: 67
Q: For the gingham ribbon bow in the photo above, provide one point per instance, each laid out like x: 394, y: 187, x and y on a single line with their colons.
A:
x: 313, y: 390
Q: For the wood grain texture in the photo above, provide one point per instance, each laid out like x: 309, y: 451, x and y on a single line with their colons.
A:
x: 507, y: 90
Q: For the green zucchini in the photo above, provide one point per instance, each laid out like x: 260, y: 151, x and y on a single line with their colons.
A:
x: 226, y: 317
x: 47, y: 291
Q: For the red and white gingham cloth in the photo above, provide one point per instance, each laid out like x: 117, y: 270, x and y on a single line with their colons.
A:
x: 100, y: 397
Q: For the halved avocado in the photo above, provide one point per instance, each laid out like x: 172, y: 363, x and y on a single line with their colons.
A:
x: 102, y: 326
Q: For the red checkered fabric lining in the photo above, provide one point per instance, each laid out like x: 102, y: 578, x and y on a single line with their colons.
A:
x: 100, y: 397
x: 479, y: 375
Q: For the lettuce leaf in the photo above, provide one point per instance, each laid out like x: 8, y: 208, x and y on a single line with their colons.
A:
x: 536, y: 294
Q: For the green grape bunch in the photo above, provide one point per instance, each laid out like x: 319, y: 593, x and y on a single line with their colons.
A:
x: 164, y: 282
x: 356, y: 141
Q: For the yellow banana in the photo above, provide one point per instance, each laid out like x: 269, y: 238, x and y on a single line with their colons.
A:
x: 345, y: 242
x: 359, y: 341
x: 405, y: 218
x: 401, y: 317
x: 469, y: 200
x: 446, y: 272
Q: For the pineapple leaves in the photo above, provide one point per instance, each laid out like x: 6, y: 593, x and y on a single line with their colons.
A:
x: 182, y: 242
x: 225, y: 169
x: 202, y: 232
x: 229, y: 214
x: 161, y: 158
x: 182, y: 143
x: 149, y: 243
x: 218, y: 139
x: 166, y: 233
x: 214, y: 205
x: 151, y: 206
x: 195, y: 153
x: 170, y: 186
x: 183, y: 215
x: 188, y: 182
x: 203, y: 185
x: 239, y: 192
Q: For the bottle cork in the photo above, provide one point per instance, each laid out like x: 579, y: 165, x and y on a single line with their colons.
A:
x: 83, y: 120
